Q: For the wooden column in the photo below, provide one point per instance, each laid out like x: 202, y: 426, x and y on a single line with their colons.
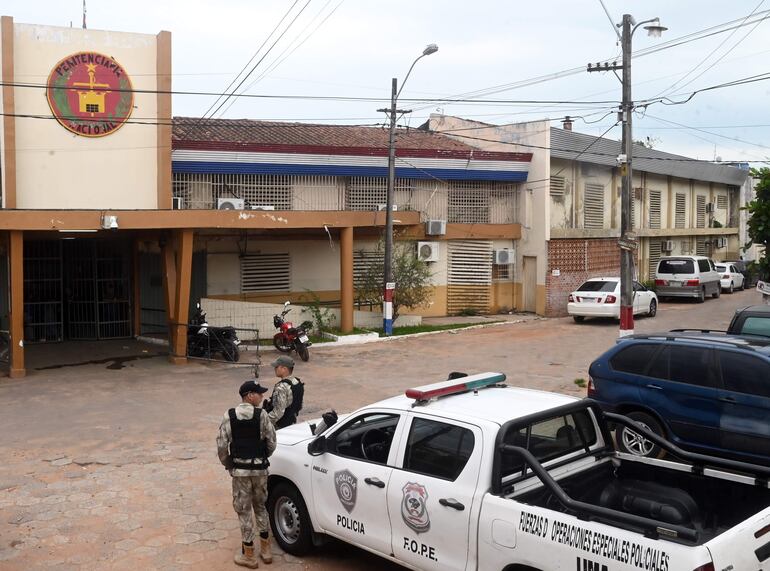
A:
x: 16, y: 271
x: 346, y: 279
x: 169, y: 283
x: 182, y: 294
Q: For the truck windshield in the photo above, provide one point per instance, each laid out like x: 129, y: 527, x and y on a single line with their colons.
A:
x: 676, y: 267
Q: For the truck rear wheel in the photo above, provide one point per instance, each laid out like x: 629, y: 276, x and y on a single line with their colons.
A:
x: 289, y: 519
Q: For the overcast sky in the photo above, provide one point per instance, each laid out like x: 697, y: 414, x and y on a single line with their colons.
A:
x: 364, y: 43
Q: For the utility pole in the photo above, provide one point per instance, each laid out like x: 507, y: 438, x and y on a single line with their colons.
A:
x: 627, y: 243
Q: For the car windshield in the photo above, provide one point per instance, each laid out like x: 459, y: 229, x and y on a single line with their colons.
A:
x: 676, y: 267
x: 721, y: 268
x: 598, y: 286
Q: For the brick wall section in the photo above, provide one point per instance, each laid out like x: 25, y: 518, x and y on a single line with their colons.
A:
x: 577, y: 260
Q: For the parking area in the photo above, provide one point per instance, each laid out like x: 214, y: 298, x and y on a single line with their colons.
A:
x: 111, y: 463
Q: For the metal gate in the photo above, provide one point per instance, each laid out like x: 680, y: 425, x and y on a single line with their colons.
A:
x: 43, y: 291
x: 469, y: 281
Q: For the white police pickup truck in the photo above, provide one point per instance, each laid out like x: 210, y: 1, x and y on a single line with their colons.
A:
x: 473, y: 474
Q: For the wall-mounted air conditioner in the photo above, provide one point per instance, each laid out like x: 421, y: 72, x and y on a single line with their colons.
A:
x: 503, y: 257
x: 393, y: 207
x: 262, y: 207
x: 177, y: 203
x: 435, y: 227
x: 230, y: 204
x: 710, y: 207
x: 427, y: 251
x: 667, y: 245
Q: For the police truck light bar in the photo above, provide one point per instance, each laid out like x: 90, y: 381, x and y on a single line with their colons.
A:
x: 455, y: 386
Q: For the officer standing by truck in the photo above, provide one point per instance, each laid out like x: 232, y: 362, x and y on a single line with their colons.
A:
x: 246, y: 439
x: 286, y: 401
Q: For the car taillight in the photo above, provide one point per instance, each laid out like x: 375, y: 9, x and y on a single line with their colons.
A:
x: 610, y: 299
x: 591, y: 392
x: 706, y: 567
x: 571, y: 298
x: 660, y: 282
x: 692, y: 282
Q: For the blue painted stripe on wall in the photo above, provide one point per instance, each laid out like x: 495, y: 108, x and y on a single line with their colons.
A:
x: 401, y: 172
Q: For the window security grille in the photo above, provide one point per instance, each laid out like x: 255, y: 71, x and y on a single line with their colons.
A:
x: 700, y: 246
x: 468, y: 203
x: 593, y: 206
x: 203, y: 190
x: 654, y: 256
x: 679, y: 215
x: 469, y: 275
x: 700, y: 211
x: 722, y: 202
x: 654, y: 209
x: 502, y: 273
x: 265, y: 273
x: 362, y: 262
x: 558, y: 186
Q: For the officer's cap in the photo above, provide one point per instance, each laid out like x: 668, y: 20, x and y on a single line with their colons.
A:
x: 283, y: 361
x: 251, y: 387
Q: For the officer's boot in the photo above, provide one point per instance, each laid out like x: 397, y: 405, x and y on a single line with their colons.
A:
x: 265, y: 551
x: 246, y: 557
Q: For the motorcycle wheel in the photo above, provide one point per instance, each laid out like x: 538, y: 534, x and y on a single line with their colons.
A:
x: 230, y: 352
x: 278, y: 343
x: 302, y: 351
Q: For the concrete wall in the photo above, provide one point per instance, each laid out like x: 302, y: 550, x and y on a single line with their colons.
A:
x: 58, y: 169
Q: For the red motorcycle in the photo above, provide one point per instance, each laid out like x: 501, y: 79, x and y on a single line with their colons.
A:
x: 290, y: 338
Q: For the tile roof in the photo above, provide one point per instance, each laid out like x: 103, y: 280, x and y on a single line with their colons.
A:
x: 249, y: 132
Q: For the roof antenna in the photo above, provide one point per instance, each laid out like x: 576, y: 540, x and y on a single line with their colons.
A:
x: 84, y: 15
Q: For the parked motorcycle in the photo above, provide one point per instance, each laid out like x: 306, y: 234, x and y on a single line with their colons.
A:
x: 290, y: 338
x: 204, y: 340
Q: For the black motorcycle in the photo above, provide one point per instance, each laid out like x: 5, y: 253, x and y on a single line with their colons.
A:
x: 205, y: 341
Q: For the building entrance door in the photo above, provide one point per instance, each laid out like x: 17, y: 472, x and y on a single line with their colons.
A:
x: 76, y: 289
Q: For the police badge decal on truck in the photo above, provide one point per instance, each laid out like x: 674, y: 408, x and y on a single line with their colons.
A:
x: 346, y: 485
x: 414, y: 510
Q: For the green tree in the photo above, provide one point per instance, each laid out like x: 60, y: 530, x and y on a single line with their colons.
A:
x: 759, y: 220
x: 412, y: 277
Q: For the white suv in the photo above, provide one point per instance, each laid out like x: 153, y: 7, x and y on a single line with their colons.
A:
x: 687, y: 276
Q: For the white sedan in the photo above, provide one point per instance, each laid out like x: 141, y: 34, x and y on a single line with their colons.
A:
x: 600, y: 297
x: 729, y: 277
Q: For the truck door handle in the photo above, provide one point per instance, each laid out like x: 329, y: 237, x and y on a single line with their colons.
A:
x: 656, y: 387
x: 375, y: 482
x: 731, y: 400
x: 452, y: 503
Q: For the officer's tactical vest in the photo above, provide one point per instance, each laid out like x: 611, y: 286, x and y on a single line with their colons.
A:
x: 297, y: 394
x: 248, y: 444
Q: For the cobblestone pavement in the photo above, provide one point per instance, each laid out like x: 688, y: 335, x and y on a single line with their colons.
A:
x: 116, y: 469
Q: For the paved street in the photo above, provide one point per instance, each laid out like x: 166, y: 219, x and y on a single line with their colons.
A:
x: 115, y: 468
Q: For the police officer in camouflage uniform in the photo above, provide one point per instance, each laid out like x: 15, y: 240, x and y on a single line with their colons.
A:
x: 246, y: 439
x: 286, y: 401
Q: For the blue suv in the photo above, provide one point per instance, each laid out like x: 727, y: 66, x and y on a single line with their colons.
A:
x: 706, y: 392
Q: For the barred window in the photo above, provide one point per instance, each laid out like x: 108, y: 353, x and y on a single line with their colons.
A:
x: 265, y: 273
x: 722, y: 202
x: 654, y: 209
x: 679, y: 217
x: 371, y: 193
x: 700, y: 211
x: 654, y: 258
x: 593, y: 206
x: 468, y: 202
x: 700, y: 246
x: 558, y: 186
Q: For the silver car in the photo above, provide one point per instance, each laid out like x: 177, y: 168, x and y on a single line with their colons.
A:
x: 687, y: 276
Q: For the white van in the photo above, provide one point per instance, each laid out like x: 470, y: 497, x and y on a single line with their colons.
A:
x: 687, y: 276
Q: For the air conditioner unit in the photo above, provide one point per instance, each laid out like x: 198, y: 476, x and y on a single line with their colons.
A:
x: 427, y: 251
x: 262, y: 207
x: 177, y: 203
x: 435, y: 227
x: 709, y: 207
x: 393, y: 207
x: 230, y: 204
x: 667, y: 245
x: 503, y: 257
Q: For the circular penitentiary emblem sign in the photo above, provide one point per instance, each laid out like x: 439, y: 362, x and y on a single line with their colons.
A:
x: 90, y: 94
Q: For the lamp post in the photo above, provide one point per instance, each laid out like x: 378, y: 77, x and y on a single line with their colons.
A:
x: 627, y: 242
x: 389, y: 285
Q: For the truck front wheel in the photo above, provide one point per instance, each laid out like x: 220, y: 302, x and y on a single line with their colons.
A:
x: 289, y: 519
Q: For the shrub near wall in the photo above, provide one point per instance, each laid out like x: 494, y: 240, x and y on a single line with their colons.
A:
x: 576, y: 261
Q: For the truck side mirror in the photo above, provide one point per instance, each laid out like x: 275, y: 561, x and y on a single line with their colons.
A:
x: 317, y: 446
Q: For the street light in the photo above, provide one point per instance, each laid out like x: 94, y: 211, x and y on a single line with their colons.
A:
x: 389, y: 285
x: 627, y: 240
